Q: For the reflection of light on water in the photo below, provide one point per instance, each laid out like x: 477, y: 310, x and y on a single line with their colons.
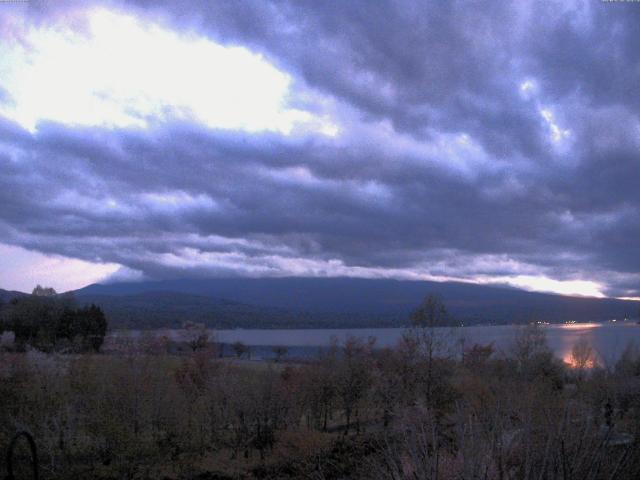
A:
x: 571, y: 362
x: 574, y: 355
x: 579, y: 326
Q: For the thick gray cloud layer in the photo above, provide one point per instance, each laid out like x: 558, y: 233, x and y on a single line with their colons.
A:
x: 446, y: 164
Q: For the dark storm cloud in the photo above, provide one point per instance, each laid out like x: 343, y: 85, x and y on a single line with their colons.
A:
x: 444, y: 65
x: 422, y: 213
x: 179, y: 198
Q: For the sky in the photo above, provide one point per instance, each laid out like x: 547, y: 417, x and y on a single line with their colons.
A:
x: 488, y: 142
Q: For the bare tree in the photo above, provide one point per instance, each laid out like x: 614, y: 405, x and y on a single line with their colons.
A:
x: 431, y: 313
x: 239, y: 348
x: 582, y: 355
x: 195, y: 335
x: 280, y: 351
x: 354, y: 378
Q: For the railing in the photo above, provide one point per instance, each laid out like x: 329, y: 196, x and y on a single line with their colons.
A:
x: 34, y: 455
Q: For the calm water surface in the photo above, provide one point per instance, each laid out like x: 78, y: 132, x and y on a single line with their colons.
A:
x: 607, y: 339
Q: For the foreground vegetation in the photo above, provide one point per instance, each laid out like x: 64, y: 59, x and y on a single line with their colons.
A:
x: 412, y: 412
x: 416, y: 411
x: 50, y: 322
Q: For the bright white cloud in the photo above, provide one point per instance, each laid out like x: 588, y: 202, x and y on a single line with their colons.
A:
x: 276, y: 265
x: 563, y: 287
x: 123, y: 72
x: 23, y: 269
x: 529, y: 89
x: 557, y: 133
x: 176, y: 201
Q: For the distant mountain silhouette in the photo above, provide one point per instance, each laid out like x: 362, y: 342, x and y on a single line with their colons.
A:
x: 156, y: 309
x: 6, y: 295
x: 331, y: 302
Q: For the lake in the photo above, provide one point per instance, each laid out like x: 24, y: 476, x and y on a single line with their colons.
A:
x: 607, y: 339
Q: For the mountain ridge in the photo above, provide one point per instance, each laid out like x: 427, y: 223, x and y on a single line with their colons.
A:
x: 333, y: 302
x: 8, y: 295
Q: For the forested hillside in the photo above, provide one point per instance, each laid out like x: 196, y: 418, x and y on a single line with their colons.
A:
x: 331, y: 302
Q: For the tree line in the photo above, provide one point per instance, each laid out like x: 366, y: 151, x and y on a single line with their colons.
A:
x: 47, y: 322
